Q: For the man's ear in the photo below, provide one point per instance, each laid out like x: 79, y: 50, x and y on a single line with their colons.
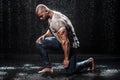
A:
x: 46, y: 11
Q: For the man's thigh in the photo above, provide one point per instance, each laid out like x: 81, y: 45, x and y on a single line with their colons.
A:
x: 51, y: 43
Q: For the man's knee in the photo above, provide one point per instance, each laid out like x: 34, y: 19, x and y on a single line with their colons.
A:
x: 40, y: 45
x: 37, y: 45
x: 70, y: 71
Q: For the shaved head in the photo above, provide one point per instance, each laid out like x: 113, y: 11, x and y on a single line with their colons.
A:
x: 41, y: 7
x: 43, y: 12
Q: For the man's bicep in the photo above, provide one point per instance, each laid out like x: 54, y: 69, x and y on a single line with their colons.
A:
x: 63, y: 34
x: 60, y: 26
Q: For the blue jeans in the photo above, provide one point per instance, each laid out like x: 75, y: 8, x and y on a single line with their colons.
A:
x: 53, y: 43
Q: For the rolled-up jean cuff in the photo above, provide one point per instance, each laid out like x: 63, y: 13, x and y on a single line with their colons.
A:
x: 84, y: 64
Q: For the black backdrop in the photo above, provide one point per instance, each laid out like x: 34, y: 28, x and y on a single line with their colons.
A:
x: 95, y: 23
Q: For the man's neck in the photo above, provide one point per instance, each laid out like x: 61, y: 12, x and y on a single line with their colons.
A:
x: 50, y: 14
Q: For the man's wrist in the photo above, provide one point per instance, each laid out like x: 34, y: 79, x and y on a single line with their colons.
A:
x: 65, y: 58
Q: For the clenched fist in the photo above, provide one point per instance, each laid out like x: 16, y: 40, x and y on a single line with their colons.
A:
x: 65, y: 63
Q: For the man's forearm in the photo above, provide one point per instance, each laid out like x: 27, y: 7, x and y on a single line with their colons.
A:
x: 48, y: 33
x: 66, y: 48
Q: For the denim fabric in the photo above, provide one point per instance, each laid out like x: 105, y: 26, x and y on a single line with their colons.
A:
x: 48, y: 43
x: 83, y: 64
x: 53, y: 43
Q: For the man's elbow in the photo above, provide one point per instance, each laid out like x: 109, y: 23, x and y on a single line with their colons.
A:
x: 66, y: 43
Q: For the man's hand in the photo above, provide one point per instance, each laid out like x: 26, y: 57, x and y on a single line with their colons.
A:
x: 65, y: 63
x: 40, y: 39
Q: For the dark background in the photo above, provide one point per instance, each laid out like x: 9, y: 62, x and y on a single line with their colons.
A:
x: 95, y: 21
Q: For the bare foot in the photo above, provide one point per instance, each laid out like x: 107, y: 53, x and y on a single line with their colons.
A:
x: 92, y: 67
x: 46, y: 70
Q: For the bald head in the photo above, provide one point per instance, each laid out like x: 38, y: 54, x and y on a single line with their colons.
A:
x: 41, y: 7
x: 44, y: 12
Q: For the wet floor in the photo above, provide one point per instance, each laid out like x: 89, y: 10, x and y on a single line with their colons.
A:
x: 105, y: 69
x: 29, y: 72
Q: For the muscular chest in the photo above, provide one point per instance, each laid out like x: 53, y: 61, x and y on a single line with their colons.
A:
x: 53, y: 27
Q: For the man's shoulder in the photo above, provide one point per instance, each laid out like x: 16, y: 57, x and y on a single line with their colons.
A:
x: 60, y: 18
x: 57, y: 15
x: 57, y: 12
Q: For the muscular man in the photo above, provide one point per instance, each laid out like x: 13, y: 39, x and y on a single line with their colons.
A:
x: 60, y: 35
